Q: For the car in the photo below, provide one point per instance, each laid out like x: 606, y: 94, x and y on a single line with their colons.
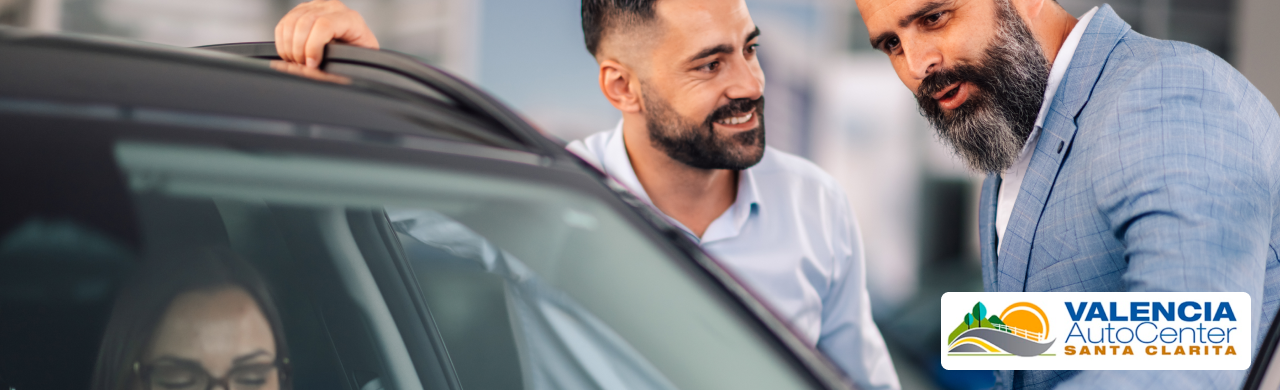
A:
x: 413, y: 231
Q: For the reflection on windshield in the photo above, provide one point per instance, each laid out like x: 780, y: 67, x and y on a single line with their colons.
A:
x: 193, y: 320
x: 311, y: 73
x: 561, y: 344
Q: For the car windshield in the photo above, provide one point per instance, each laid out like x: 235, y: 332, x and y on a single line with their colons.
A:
x: 528, y: 284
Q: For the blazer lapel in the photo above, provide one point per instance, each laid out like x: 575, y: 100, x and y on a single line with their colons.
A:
x: 987, y: 230
x: 1099, y: 39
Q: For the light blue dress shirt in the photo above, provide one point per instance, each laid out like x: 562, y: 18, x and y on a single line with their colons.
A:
x: 792, y: 238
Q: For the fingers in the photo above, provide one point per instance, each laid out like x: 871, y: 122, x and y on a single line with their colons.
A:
x: 285, y: 31
x: 303, y: 32
x: 279, y: 35
x: 313, y: 48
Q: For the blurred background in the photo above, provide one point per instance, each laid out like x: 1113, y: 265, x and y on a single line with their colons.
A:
x: 832, y: 99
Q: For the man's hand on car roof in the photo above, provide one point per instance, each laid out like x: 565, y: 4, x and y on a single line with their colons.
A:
x: 303, y: 32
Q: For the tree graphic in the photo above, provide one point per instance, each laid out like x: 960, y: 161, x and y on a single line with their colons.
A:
x: 979, y: 312
x: 976, y: 319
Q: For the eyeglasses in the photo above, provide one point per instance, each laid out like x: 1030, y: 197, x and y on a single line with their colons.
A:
x: 188, y: 375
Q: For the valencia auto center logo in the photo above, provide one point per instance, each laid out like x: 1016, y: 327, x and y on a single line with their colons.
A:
x: 1020, y: 330
x: 1096, y: 331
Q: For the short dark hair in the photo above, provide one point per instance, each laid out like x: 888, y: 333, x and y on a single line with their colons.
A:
x: 600, y: 17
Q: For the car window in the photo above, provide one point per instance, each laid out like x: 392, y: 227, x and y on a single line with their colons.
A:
x: 529, y: 285
x: 357, y: 275
x: 109, y: 280
x: 62, y: 254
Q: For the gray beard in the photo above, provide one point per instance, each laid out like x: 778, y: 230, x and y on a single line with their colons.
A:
x: 990, y: 129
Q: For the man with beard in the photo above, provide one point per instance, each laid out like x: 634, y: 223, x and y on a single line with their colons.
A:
x: 1116, y: 162
x: 691, y: 143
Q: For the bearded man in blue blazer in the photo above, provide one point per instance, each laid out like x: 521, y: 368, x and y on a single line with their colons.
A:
x: 1116, y: 162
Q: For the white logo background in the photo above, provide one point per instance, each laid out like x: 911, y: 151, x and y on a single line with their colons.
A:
x: 956, y: 305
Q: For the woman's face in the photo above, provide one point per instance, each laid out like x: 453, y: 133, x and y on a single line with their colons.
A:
x: 212, y: 335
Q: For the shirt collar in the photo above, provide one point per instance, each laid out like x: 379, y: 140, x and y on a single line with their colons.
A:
x: 1056, y: 73
x: 1061, y: 62
x: 617, y: 164
x: 747, y: 202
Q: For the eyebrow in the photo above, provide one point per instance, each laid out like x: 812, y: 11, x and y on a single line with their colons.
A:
x: 926, y: 9
x: 248, y: 356
x: 755, y: 33
x: 175, y: 359
x: 721, y: 48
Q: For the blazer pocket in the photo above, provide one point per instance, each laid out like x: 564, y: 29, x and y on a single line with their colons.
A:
x: 1063, y: 245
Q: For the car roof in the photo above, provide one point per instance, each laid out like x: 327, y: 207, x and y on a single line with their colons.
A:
x: 80, y: 74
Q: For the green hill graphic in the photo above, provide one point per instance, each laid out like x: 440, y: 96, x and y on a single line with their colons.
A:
x: 979, y: 311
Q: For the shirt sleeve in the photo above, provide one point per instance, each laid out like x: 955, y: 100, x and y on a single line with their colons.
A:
x: 849, y: 336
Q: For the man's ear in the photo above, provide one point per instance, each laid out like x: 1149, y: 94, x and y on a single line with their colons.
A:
x: 1030, y: 10
x: 620, y: 86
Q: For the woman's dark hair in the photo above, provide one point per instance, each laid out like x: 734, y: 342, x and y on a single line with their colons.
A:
x: 146, y: 296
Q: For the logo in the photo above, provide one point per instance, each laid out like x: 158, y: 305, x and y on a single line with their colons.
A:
x: 1096, y: 331
x: 1020, y: 330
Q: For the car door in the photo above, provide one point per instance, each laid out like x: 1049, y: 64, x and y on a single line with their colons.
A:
x: 391, y: 268
x: 529, y: 284
x: 1264, y: 373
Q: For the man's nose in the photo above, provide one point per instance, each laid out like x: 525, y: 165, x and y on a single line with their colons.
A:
x: 922, y: 59
x: 746, y: 81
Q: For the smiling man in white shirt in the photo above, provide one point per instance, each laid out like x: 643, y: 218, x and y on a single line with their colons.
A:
x: 691, y: 143
x: 686, y: 78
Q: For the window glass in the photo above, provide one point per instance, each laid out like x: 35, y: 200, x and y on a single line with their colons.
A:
x: 529, y: 285
x: 108, y: 280
x: 305, y: 271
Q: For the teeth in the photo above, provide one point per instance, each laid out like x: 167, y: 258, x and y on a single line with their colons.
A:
x: 738, y: 120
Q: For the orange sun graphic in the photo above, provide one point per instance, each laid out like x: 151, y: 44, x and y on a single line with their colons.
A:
x: 1028, y: 317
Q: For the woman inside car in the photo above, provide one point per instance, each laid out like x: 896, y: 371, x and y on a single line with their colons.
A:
x: 194, y: 321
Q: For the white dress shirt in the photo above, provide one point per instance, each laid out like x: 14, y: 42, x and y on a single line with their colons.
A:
x: 791, y: 237
x: 1011, y: 179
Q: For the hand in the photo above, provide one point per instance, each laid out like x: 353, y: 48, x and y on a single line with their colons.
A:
x: 302, y: 34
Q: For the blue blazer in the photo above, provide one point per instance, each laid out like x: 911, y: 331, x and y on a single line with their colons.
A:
x: 1158, y: 169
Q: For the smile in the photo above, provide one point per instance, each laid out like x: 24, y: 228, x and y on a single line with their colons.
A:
x: 737, y: 120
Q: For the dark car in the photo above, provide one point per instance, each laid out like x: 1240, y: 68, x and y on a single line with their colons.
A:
x: 413, y: 232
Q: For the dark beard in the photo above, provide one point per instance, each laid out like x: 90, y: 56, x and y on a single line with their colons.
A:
x: 991, y: 127
x: 697, y: 144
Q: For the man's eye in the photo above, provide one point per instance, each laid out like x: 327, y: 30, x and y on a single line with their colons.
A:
x: 751, y: 49
x: 933, y: 19
x: 710, y: 67
x: 891, y: 44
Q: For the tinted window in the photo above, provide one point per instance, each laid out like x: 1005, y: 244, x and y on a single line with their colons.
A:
x: 108, y: 280
x: 530, y: 285
x: 369, y: 275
